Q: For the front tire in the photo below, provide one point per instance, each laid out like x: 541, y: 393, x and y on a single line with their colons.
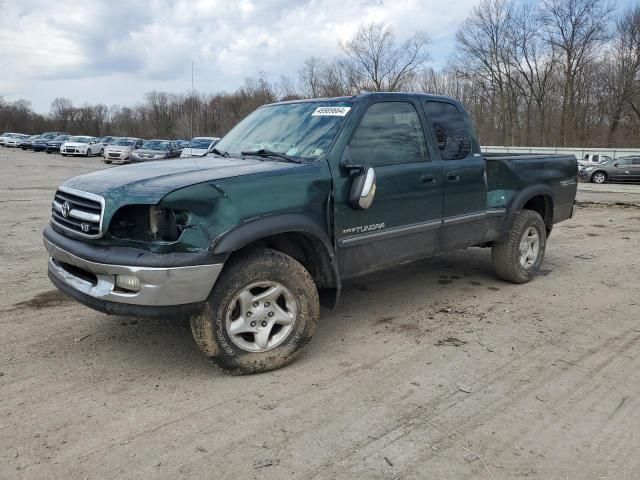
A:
x: 518, y: 258
x: 259, y: 316
x: 599, y: 177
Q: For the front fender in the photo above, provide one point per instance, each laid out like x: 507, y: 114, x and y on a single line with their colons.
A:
x: 253, y: 230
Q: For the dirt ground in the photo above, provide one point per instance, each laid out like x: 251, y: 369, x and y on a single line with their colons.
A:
x: 431, y: 370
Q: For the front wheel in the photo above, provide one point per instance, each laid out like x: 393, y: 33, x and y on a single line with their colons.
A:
x: 261, y: 313
x: 518, y: 258
x: 599, y: 177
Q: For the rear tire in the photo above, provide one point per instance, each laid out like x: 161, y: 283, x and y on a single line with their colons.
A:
x: 245, y: 329
x: 518, y: 258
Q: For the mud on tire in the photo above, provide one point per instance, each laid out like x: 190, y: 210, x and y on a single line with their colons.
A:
x: 209, y: 327
x: 506, y: 256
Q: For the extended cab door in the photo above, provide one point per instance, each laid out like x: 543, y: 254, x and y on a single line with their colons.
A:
x: 404, y: 219
x: 464, y: 175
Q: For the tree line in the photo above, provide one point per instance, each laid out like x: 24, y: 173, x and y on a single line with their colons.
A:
x: 530, y: 72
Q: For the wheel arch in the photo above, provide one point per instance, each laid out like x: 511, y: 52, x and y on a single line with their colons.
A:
x: 295, y: 235
x: 538, y: 198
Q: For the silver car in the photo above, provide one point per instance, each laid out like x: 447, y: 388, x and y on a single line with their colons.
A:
x: 625, y: 169
x: 119, y: 151
x: 199, y: 147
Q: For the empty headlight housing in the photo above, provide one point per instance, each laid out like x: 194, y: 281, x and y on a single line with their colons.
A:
x: 148, y: 223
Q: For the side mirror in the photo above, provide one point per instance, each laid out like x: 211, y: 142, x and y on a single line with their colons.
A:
x: 615, y: 164
x: 363, y: 185
x: 363, y: 189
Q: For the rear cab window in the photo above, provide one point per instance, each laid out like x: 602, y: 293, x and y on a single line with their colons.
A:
x: 450, y: 130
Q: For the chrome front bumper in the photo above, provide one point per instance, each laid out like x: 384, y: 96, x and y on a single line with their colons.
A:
x: 158, y: 286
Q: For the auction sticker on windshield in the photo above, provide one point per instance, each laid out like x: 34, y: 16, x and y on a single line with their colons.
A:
x: 331, y: 111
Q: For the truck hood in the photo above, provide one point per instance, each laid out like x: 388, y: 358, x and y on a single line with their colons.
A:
x: 148, y: 182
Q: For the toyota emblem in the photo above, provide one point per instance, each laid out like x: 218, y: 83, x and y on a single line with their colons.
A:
x: 65, y: 209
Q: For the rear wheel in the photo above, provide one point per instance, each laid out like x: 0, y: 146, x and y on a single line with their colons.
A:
x: 261, y: 313
x: 599, y: 177
x: 518, y: 258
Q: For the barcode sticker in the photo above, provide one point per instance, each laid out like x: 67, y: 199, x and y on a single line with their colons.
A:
x: 331, y: 111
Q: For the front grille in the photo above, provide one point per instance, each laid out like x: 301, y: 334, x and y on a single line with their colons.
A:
x: 114, y: 154
x: 78, y: 212
x: 69, y: 150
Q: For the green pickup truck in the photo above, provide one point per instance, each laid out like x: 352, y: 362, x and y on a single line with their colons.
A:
x: 251, y: 240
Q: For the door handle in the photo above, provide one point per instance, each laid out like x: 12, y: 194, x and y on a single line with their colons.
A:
x: 453, y: 176
x: 426, y: 178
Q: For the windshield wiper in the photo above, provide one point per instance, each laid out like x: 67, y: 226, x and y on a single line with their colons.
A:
x: 218, y: 152
x: 263, y: 152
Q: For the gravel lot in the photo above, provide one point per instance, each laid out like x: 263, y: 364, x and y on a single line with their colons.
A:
x: 431, y: 370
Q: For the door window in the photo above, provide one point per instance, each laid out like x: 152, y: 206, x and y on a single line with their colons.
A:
x: 389, y: 133
x: 450, y: 129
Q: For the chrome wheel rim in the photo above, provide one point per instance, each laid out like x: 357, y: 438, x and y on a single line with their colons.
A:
x: 599, y: 178
x: 261, y: 316
x: 529, y: 248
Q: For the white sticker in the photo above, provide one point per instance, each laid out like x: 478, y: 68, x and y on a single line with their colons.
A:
x: 331, y: 111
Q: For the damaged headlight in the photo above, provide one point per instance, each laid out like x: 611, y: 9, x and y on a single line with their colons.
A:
x: 148, y: 223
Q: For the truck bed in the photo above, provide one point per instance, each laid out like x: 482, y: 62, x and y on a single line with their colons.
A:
x: 510, y: 173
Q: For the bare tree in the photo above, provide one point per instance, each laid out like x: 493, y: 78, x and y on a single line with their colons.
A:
x: 576, y: 29
x: 623, y: 72
x: 380, y: 63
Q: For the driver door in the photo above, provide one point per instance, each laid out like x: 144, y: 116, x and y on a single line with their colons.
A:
x: 404, y: 219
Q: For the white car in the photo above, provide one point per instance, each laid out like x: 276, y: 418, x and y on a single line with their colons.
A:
x: 199, y: 147
x: 120, y: 150
x: 15, y: 140
x: 7, y: 136
x: 82, y: 145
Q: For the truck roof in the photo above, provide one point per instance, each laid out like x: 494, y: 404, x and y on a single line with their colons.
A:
x: 363, y: 96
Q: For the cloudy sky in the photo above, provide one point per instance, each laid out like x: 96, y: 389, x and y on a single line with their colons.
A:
x: 114, y: 51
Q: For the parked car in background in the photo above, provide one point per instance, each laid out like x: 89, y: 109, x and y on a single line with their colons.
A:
x: 6, y: 136
x: 625, y: 169
x: 156, y: 150
x: 595, y: 159
x: 120, y: 150
x: 82, y: 145
x: 182, y: 143
x: 107, y: 140
x: 27, y: 143
x: 40, y: 144
x: 199, y: 147
x: 15, y: 140
x: 53, y: 146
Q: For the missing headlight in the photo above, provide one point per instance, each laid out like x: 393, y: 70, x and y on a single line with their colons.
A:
x: 148, y: 223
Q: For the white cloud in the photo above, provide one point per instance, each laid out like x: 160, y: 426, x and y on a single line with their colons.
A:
x: 114, y: 52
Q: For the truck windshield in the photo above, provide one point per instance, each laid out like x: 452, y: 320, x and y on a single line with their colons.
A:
x: 303, y: 130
